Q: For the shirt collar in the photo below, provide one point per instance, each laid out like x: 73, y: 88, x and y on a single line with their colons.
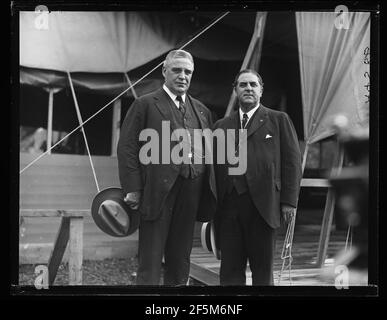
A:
x: 173, y: 96
x: 249, y: 114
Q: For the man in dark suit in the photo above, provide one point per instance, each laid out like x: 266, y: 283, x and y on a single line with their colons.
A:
x: 252, y: 205
x: 170, y: 196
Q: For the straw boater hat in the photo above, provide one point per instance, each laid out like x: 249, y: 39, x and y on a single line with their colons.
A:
x: 112, y: 215
x: 208, y: 239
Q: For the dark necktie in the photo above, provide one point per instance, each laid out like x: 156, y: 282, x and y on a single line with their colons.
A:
x: 244, y: 120
x: 181, y: 104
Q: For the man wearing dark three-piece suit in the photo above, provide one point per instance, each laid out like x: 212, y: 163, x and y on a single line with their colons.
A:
x: 252, y: 205
x: 170, y: 196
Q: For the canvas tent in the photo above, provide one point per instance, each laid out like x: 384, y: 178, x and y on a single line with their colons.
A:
x: 99, y: 48
x: 313, y: 67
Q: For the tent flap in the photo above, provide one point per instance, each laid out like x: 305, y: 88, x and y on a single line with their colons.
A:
x: 333, y: 67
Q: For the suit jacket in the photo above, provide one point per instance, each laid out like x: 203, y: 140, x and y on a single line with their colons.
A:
x: 156, y: 180
x: 273, y: 162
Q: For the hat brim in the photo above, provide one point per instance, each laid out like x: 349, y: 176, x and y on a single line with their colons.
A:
x: 208, y: 239
x: 108, y: 194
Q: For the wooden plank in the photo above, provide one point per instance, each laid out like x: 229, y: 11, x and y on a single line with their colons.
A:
x: 203, y: 275
x: 53, y: 213
x: 58, y: 161
x: 304, y: 272
x: 60, y: 181
x: 315, y: 183
x: 35, y: 253
x: 76, y: 251
x: 59, y: 249
x: 38, y: 234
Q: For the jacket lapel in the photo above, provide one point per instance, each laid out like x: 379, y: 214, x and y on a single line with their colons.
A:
x: 163, y: 104
x: 234, y: 120
x: 258, y: 120
x: 235, y: 125
x: 199, y: 113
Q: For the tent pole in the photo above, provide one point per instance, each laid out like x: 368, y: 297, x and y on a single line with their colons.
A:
x: 256, y: 39
x: 49, y: 120
x: 116, y: 125
x: 131, y: 86
x: 305, y: 156
x: 117, y: 117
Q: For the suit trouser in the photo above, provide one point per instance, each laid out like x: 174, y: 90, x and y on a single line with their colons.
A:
x: 170, y: 235
x: 245, y: 235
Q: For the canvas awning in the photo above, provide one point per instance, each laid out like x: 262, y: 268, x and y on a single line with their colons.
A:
x: 334, y: 66
x: 106, y: 42
x: 99, y: 47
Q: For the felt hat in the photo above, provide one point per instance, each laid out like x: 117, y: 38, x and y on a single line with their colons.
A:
x: 112, y: 215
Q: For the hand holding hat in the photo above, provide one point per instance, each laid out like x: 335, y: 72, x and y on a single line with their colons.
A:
x: 113, y: 215
x: 133, y: 199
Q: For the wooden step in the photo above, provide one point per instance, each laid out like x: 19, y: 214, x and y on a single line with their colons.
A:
x: 204, y: 275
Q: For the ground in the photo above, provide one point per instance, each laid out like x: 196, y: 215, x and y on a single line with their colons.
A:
x: 120, y: 272
x: 105, y: 272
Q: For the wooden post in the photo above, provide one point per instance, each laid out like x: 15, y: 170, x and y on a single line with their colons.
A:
x: 70, y: 230
x: 305, y: 156
x: 49, y: 120
x: 59, y: 249
x: 326, y: 228
x: 116, y: 125
x: 76, y: 251
x: 131, y: 86
x: 256, y: 40
x: 328, y: 211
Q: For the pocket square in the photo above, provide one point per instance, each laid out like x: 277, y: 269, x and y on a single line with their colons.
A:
x: 268, y: 136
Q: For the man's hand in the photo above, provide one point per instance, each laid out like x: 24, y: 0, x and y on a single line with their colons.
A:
x: 287, y: 212
x: 133, y: 199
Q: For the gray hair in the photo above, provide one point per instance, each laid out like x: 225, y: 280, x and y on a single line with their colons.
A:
x: 176, y: 54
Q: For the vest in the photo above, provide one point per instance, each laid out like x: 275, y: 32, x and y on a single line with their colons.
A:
x: 239, y: 182
x: 190, y: 122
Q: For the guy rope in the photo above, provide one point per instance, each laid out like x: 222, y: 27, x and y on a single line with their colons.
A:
x: 82, y: 123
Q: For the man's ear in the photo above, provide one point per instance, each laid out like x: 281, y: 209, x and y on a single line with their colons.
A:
x: 163, y: 70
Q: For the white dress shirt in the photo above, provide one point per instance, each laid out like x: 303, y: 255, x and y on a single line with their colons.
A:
x: 249, y: 114
x: 173, y: 96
